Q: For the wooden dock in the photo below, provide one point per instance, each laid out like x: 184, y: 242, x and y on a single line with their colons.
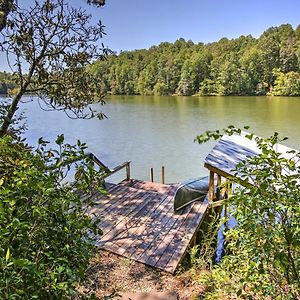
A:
x: 138, y: 219
x: 138, y: 222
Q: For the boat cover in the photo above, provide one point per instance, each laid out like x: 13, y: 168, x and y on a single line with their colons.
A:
x: 189, y: 191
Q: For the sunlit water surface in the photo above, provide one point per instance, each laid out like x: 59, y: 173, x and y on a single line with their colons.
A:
x: 154, y: 131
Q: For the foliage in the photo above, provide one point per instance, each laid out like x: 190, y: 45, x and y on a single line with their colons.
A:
x: 6, y: 6
x: 160, y: 89
x: 96, y: 2
x: 6, y: 83
x: 49, y: 46
x: 265, y: 245
x: 46, y: 239
x: 242, y: 66
x: 286, y: 83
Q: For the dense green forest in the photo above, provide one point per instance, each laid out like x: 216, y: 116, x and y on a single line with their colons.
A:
x: 269, y: 65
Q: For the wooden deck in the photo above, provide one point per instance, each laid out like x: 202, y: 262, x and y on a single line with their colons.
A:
x: 138, y: 222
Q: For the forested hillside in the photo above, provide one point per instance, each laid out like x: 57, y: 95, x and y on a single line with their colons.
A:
x: 269, y: 64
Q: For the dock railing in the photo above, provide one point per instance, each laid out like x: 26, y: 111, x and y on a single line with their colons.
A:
x: 125, y: 165
x: 108, y: 172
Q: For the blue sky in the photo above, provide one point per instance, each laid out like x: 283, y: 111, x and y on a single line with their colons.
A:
x: 135, y: 24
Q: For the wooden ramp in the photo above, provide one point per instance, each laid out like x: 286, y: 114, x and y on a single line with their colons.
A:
x: 138, y: 222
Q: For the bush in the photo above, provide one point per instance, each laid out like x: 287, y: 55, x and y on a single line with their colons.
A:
x: 286, y: 84
x: 46, y: 239
x: 263, y: 252
x: 161, y: 89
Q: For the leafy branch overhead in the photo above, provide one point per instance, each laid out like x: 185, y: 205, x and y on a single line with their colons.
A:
x: 47, y: 238
x: 96, y: 2
x: 6, y: 6
x: 49, y: 47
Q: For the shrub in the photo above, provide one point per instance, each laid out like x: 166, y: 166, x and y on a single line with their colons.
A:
x: 263, y: 252
x: 46, y: 239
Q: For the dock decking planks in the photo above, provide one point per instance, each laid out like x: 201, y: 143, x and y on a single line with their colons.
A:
x: 138, y: 222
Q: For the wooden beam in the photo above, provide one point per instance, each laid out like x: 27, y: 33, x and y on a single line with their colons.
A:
x: 227, y: 175
x: 219, y: 182
x: 229, y: 188
x: 118, y: 168
x: 211, y: 187
x: 128, y: 171
x: 217, y: 171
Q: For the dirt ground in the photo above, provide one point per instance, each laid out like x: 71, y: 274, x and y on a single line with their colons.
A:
x: 110, y: 275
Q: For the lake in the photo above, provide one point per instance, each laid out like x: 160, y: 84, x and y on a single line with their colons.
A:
x: 152, y: 131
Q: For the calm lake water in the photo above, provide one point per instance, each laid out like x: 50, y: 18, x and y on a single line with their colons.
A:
x: 155, y: 131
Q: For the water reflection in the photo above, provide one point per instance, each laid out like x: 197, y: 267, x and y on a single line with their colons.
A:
x: 156, y: 131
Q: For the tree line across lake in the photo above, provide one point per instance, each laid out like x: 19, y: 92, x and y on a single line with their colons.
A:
x: 268, y: 65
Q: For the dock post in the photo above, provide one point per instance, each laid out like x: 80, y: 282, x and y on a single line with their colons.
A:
x: 211, y: 190
x: 218, y: 191
x: 151, y: 174
x: 128, y: 171
x: 163, y: 175
x: 229, y: 194
x: 229, y: 189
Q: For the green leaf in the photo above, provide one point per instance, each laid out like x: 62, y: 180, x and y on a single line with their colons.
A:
x: 60, y: 269
x: 15, y: 223
x: 42, y: 142
x: 60, y: 139
x: 21, y: 262
x: 7, y: 256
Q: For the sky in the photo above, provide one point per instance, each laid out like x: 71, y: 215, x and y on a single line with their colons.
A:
x: 137, y: 24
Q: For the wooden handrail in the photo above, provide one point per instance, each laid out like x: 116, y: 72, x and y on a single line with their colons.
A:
x: 126, y: 165
x: 109, y: 171
x: 97, y: 161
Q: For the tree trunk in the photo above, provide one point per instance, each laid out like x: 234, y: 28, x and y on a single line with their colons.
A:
x: 10, y: 113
